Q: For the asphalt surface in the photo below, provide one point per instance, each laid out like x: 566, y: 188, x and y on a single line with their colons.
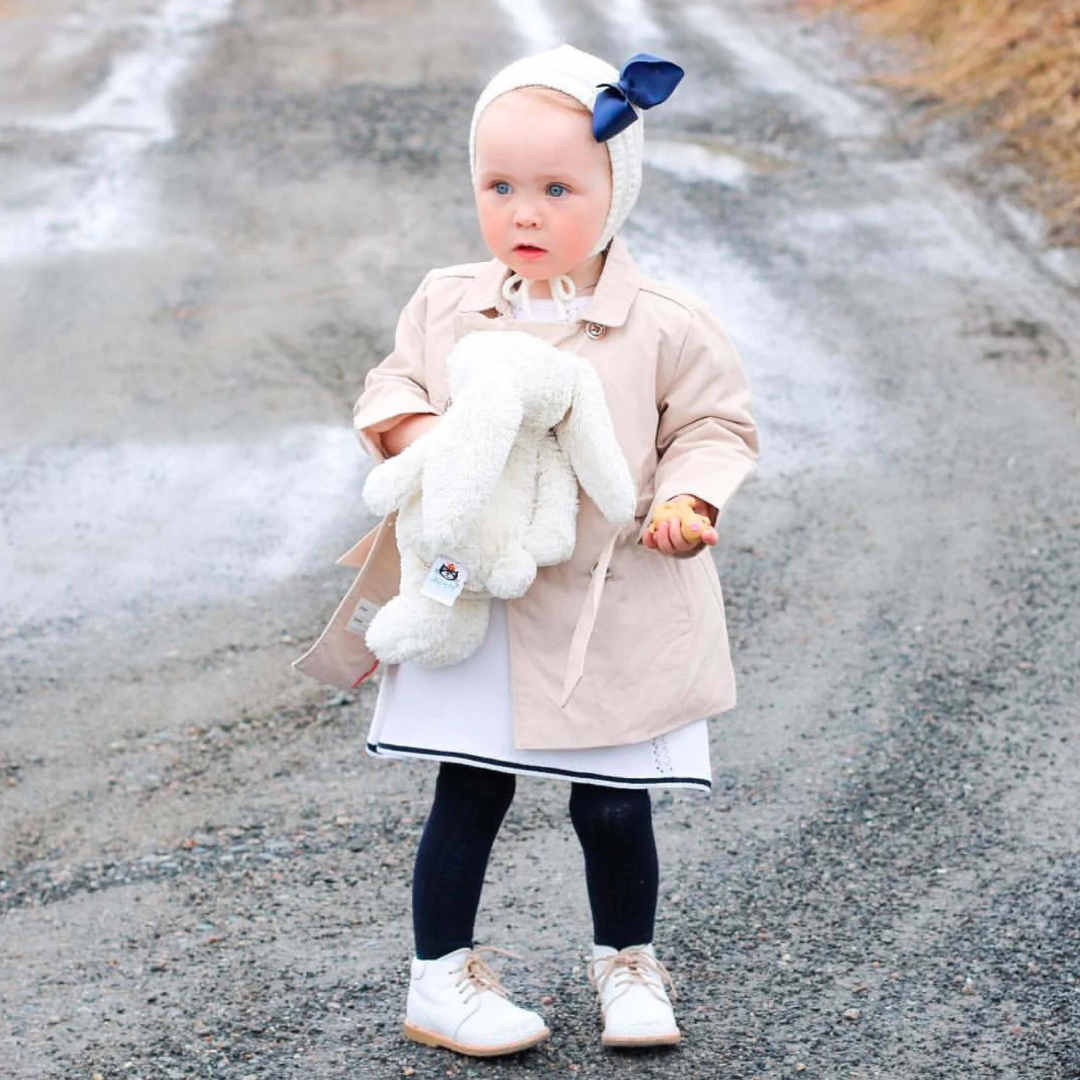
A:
x: 211, y: 213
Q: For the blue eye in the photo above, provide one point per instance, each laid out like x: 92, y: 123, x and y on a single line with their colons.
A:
x: 501, y: 187
x: 557, y: 190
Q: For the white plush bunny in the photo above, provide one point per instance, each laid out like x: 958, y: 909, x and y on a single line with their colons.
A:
x: 494, y: 487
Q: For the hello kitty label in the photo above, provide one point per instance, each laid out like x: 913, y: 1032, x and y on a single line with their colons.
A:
x: 445, y: 580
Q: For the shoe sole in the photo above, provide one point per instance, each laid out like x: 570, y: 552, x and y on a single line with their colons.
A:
x: 433, y: 1038
x: 640, y: 1040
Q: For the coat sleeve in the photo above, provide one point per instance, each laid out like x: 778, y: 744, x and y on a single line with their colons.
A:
x: 706, y: 438
x: 396, y: 387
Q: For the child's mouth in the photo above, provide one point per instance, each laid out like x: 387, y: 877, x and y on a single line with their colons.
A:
x: 528, y: 251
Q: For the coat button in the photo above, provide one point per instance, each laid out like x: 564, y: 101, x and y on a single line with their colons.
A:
x: 596, y: 330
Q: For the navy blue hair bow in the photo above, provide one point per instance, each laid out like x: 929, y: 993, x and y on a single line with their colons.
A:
x: 644, y: 81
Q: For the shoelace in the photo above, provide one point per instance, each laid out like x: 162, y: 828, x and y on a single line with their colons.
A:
x: 477, y: 975
x: 636, y: 966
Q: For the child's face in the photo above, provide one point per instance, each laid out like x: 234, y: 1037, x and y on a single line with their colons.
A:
x: 543, y: 184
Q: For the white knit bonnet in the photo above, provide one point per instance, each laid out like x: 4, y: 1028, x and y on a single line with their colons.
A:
x: 578, y: 74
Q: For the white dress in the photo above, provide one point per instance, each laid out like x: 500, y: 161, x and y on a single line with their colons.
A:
x: 462, y: 712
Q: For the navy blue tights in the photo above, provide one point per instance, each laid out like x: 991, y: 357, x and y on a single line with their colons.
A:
x: 614, y: 826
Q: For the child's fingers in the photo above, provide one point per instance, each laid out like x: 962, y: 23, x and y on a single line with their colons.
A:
x: 679, y: 542
x: 663, y: 538
x: 669, y: 537
x: 660, y: 538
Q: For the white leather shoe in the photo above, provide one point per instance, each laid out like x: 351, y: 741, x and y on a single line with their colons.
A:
x: 458, y: 1002
x: 634, y: 1005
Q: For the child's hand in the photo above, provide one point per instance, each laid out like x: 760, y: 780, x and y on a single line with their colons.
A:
x: 407, y: 430
x: 679, y: 525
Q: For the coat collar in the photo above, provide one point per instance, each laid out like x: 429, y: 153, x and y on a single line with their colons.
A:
x: 619, y: 282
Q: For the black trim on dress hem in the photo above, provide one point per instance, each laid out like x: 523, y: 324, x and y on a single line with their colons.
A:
x: 572, y: 774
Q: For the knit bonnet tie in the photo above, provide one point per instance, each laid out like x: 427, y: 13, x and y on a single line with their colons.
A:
x: 563, y: 291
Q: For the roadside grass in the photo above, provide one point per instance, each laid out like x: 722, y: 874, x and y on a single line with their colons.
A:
x: 1013, y: 65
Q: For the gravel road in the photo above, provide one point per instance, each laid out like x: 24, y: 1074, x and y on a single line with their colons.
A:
x: 211, y: 212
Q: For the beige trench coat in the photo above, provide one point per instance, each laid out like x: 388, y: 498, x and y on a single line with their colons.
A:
x: 620, y: 643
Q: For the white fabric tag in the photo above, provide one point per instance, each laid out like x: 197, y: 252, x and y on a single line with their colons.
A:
x: 362, y: 616
x: 444, y: 581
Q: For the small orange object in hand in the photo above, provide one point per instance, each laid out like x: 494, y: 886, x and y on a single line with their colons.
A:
x: 677, y: 526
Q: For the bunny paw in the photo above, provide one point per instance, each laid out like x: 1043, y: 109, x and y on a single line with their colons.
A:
x: 511, y: 574
x: 406, y: 627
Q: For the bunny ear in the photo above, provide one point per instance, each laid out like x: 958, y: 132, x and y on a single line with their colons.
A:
x: 467, y: 455
x: 587, y: 435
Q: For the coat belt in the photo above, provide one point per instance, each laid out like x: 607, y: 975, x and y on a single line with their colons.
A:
x: 579, y: 643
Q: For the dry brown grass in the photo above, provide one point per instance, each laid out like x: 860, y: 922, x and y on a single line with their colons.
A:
x: 1013, y: 64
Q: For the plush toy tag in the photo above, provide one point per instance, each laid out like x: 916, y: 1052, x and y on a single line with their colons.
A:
x: 444, y: 581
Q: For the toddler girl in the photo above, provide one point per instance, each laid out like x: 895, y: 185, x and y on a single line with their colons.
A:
x: 602, y: 675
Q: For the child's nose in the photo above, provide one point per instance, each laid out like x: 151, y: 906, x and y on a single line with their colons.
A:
x: 526, y: 214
